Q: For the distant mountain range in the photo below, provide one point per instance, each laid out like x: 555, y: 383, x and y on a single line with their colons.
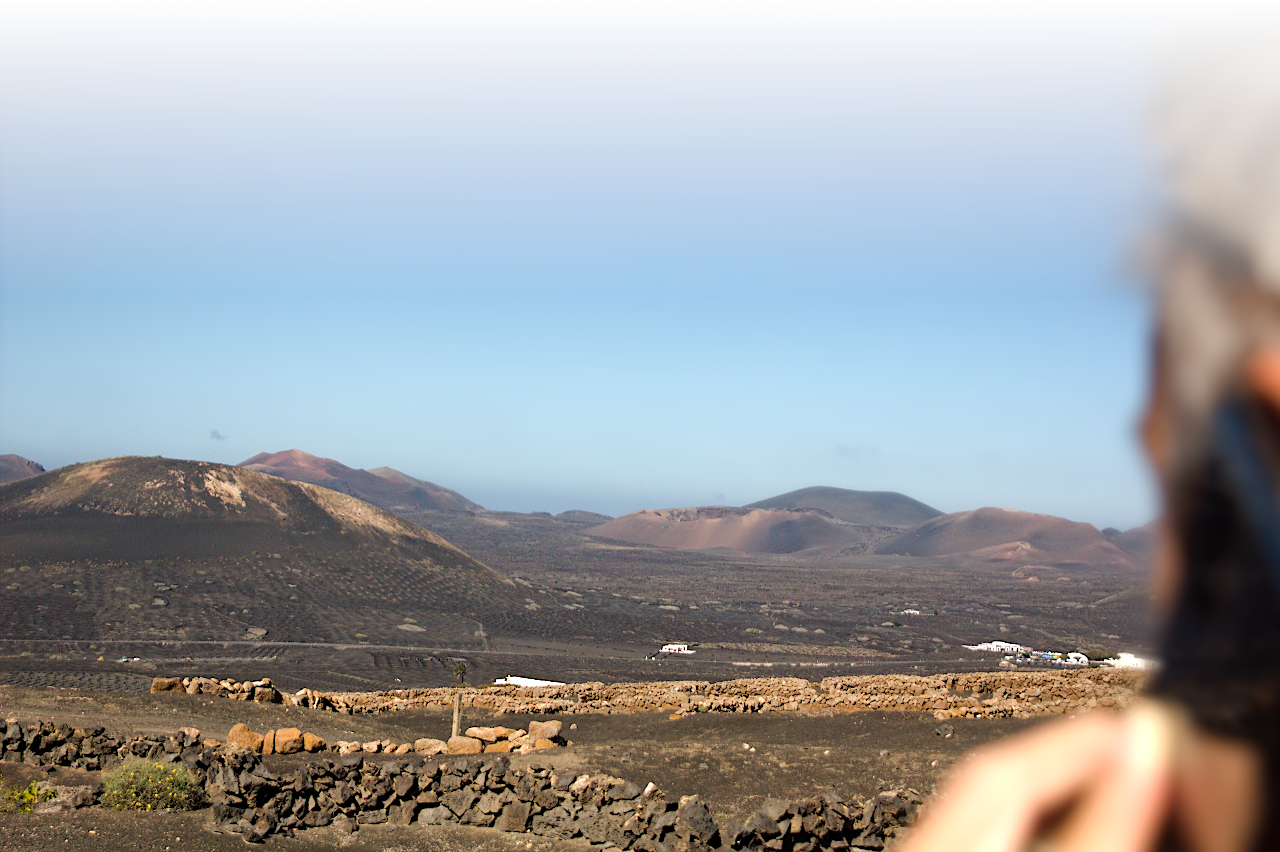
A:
x: 819, y: 519
x: 827, y: 520
x: 384, y: 487
x: 743, y: 529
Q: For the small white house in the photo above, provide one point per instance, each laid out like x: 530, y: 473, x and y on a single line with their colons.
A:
x: 1077, y: 658
x: 997, y: 647
x: 1127, y: 660
x: 512, y: 680
x: 675, y: 648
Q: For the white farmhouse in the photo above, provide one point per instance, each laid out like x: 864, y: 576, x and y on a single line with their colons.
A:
x: 512, y: 680
x: 998, y: 647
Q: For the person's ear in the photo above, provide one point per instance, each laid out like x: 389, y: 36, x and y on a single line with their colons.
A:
x: 1262, y: 372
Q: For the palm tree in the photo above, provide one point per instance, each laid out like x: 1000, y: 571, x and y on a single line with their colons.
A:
x: 460, y: 671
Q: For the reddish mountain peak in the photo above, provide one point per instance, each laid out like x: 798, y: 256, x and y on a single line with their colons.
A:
x: 392, y: 493
x: 293, y: 458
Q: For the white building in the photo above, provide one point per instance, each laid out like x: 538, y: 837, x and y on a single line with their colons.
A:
x: 998, y: 647
x: 512, y: 680
x: 1127, y: 660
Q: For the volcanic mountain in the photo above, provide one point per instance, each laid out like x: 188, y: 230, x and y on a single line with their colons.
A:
x: 743, y: 529
x: 870, y: 508
x: 1139, y: 542
x: 137, y: 547
x: 1017, y: 538
x: 13, y: 468
x: 394, y: 491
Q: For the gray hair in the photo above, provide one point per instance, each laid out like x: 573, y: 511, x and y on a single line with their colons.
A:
x: 1217, y: 259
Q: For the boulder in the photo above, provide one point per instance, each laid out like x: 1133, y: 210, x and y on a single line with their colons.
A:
x: 542, y: 743
x: 167, y: 684
x: 312, y: 743
x: 486, y: 734
x: 269, y: 742
x: 404, y: 748
x: 266, y: 694
x: 288, y: 741
x: 427, y: 746
x: 548, y: 730
x: 464, y: 745
x: 240, y: 735
x: 499, y: 747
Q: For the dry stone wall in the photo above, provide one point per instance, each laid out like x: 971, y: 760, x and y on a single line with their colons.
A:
x: 1013, y: 693
x: 245, y: 797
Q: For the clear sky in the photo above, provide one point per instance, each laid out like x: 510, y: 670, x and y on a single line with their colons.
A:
x: 591, y: 255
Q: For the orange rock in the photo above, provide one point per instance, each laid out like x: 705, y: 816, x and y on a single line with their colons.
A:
x: 464, y: 745
x: 500, y: 747
x: 288, y: 741
x: 240, y: 735
x: 545, y: 730
x: 312, y: 743
x: 542, y: 743
x: 269, y: 742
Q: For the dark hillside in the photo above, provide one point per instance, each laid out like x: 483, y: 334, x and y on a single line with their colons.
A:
x: 135, y: 547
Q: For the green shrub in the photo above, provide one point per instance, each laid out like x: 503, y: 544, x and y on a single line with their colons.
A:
x: 22, y: 800
x: 145, y: 785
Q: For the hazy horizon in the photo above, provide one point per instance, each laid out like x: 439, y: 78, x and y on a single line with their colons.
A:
x: 572, y: 256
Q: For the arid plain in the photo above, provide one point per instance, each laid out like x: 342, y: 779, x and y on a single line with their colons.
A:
x: 120, y: 570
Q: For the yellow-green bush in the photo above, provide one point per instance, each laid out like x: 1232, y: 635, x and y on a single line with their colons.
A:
x: 145, y: 785
x: 22, y: 800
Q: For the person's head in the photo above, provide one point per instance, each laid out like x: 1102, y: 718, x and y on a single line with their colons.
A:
x: 1212, y: 428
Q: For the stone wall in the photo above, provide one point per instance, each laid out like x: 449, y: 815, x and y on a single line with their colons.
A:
x: 245, y: 797
x: 1012, y: 693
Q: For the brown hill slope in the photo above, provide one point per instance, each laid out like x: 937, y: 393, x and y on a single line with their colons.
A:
x: 1139, y: 542
x: 872, y: 508
x: 742, y: 529
x: 1005, y: 535
x: 14, y: 467
x: 387, y: 488
x: 149, y: 546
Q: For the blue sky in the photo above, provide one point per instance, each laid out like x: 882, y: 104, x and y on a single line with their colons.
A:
x: 586, y: 255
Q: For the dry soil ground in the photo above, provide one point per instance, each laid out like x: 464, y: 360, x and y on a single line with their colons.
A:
x: 710, y: 754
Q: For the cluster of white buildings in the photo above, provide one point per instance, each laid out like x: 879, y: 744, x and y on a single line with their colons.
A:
x: 1015, y: 652
x: 1011, y: 650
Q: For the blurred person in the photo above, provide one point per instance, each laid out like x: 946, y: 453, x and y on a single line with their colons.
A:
x: 1197, y: 765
